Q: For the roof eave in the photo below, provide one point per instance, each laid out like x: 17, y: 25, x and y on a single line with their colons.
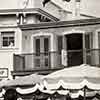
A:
x: 72, y: 23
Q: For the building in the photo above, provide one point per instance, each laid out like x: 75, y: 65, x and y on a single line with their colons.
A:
x: 78, y: 39
x: 32, y: 39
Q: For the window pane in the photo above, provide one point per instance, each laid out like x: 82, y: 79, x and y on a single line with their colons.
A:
x: 5, y: 38
x: 46, y: 62
x: 37, y: 46
x: 37, y: 62
x: 59, y: 44
x: 11, y: 41
x: 87, y: 41
x: 11, y: 38
x: 5, y: 43
x: 89, y: 46
x: 46, y: 45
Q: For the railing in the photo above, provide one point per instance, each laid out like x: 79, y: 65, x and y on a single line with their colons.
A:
x: 36, y: 61
x: 32, y: 61
x: 92, y: 57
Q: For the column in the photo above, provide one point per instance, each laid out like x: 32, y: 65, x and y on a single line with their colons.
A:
x: 64, y: 42
x: 96, y: 47
x: 21, y: 19
x: 17, y: 16
x: 24, y: 18
x: 53, y: 48
x: 84, y: 49
x: 64, y: 57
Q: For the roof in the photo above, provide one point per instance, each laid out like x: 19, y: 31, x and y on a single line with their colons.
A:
x: 28, y: 11
x: 72, y: 23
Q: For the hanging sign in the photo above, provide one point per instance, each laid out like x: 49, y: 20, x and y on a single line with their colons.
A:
x: 3, y: 72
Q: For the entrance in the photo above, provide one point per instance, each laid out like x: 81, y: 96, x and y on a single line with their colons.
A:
x: 42, y: 51
x: 74, y: 46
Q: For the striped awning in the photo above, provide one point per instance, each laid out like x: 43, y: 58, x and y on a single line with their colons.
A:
x: 75, y: 77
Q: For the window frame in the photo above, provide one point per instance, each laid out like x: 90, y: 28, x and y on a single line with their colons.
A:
x: 8, y: 34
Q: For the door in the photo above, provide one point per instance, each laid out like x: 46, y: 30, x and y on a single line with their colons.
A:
x: 74, y: 46
x: 42, y: 52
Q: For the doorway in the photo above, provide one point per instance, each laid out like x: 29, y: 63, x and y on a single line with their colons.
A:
x: 42, y: 51
x: 74, y: 46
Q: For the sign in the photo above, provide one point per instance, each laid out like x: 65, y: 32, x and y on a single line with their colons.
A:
x: 64, y: 57
x: 3, y: 72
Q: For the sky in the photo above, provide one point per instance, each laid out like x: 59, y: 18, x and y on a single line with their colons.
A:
x: 89, y: 7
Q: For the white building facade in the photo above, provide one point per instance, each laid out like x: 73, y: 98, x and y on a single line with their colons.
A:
x: 27, y: 47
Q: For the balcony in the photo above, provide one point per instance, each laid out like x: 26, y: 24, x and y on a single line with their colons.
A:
x: 45, y: 63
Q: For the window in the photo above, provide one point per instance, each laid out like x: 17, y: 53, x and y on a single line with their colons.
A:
x: 89, y: 40
x: 90, y: 53
x: 37, y: 47
x: 8, y: 39
x: 42, y: 51
x: 46, y: 46
x: 60, y: 44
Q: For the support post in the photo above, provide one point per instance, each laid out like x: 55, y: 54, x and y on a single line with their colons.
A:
x: 84, y: 50
x: 84, y: 92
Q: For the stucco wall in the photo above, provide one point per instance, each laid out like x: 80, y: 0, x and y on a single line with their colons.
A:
x: 6, y: 54
x: 54, y: 32
x: 8, y: 20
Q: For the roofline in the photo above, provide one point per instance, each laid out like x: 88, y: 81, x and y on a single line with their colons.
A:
x: 28, y: 10
x: 72, y: 23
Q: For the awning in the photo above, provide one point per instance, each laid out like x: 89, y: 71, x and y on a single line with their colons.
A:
x: 74, y: 94
x: 25, y: 80
x: 75, y: 77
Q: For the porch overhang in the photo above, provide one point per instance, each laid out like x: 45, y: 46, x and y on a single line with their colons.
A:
x: 61, y: 24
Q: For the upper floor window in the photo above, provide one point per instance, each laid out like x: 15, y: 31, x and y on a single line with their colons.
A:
x: 8, y: 39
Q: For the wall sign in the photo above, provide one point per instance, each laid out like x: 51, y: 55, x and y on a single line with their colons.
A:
x: 3, y: 72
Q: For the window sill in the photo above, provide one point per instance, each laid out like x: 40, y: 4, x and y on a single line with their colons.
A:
x: 8, y: 48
